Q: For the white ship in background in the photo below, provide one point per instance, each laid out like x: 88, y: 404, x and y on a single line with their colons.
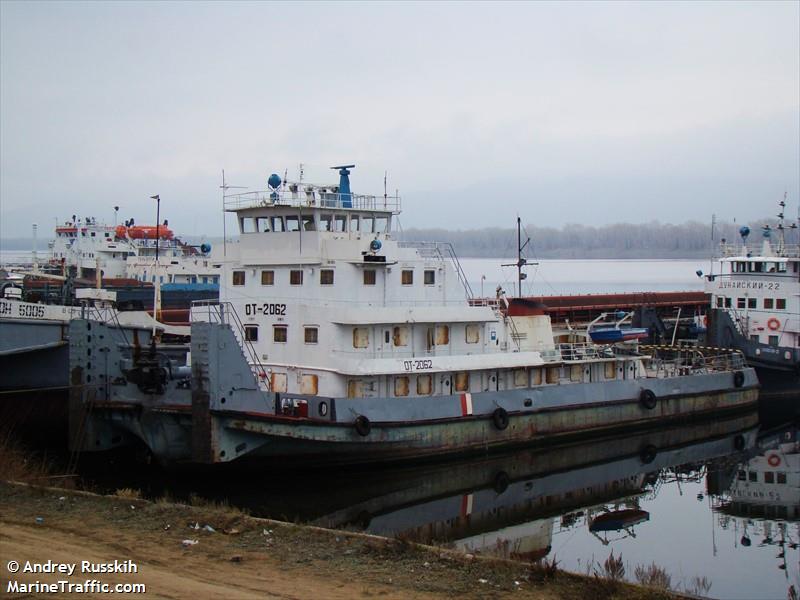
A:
x: 755, y: 301
x: 128, y: 251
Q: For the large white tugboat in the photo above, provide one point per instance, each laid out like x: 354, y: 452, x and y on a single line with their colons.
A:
x: 334, y: 341
x: 755, y: 302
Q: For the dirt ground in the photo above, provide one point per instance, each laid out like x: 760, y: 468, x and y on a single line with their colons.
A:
x: 245, y: 557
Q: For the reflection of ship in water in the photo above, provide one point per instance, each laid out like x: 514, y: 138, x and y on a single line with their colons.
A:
x: 763, y: 502
x: 509, y: 505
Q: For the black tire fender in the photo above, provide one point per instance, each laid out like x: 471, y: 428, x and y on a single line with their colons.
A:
x: 738, y: 379
x: 362, y: 425
x: 647, y: 398
x: 648, y: 454
x: 500, y: 418
x: 739, y: 442
x: 501, y: 482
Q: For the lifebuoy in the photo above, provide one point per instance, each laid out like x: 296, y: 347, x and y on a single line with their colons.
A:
x: 362, y: 425
x: 774, y: 324
x: 774, y: 460
x: 500, y: 418
x: 648, y: 399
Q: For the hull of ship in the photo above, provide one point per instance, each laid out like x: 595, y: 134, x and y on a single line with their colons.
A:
x: 312, y: 443
x: 221, y: 414
x: 33, y: 355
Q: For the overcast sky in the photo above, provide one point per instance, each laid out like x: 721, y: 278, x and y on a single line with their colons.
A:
x: 561, y: 112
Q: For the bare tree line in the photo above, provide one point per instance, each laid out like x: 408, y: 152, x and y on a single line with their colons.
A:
x: 619, y: 240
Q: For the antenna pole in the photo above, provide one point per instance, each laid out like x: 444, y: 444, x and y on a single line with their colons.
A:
x: 224, y: 233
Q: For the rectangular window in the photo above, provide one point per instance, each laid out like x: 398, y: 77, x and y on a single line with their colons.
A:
x: 308, y: 223
x: 769, y: 477
x: 354, y: 224
x: 536, y: 378
x: 400, y: 336
x: 326, y: 276
x: 340, y: 223
x: 278, y: 382
x: 262, y: 224
x: 309, y: 384
x: 238, y: 278
x: 248, y: 225
x: 267, y: 277
x: 251, y: 333
x: 442, y: 335
x: 754, y: 337
x: 325, y: 222
x: 520, y: 378
x: 780, y: 303
x: 781, y: 477
x: 741, y: 476
x: 720, y: 301
x: 369, y: 276
x: 311, y: 335
x: 773, y: 340
x: 741, y: 302
x: 575, y: 373
x: 296, y: 277
x: 769, y: 303
x: 277, y: 224
x: 462, y: 381
x: 381, y: 224
x: 292, y: 223
x: 366, y: 224
x: 728, y: 302
x: 473, y: 333
x: 407, y: 277
x: 360, y: 337
x: 280, y: 334
x: 552, y: 374
x: 401, y: 386
x: 752, y: 476
x: 751, y: 303
x: 424, y: 385
x: 430, y: 277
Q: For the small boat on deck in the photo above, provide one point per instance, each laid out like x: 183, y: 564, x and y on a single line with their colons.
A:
x: 618, y: 519
x: 612, y: 333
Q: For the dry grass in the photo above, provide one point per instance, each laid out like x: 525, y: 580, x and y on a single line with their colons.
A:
x: 18, y: 463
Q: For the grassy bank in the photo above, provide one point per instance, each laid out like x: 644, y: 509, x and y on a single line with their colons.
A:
x: 200, y: 549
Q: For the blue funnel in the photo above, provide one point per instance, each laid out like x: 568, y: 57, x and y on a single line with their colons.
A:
x: 344, y: 185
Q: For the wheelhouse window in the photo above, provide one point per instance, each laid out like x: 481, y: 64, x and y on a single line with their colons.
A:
x: 773, y: 340
x: 293, y: 223
x: 741, y: 302
x: 326, y: 222
x: 354, y: 224
x: 277, y: 224
x: 267, y: 277
x: 430, y: 277
x: 262, y: 224
x: 296, y: 277
x: 720, y: 301
x: 366, y: 224
x: 340, y: 223
x: 381, y: 224
x: 248, y: 225
x: 311, y: 335
x: 238, y: 278
x: 769, y: 303
x: 473, y: 333
x: 407, y: 277
x: 752, y: 303
x: 251, y: 333
x: 369, y: 276
x: 308, y: 223
x: 326, y: 276
x: 280, y: 334
x: 780, y: 303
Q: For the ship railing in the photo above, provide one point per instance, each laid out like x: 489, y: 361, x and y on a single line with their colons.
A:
x: 442, y: 251
x: 780, y: 251
x: 688, y: 360
x: 317, y: 198
x: 576, y: 351
x: 224, y: 313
